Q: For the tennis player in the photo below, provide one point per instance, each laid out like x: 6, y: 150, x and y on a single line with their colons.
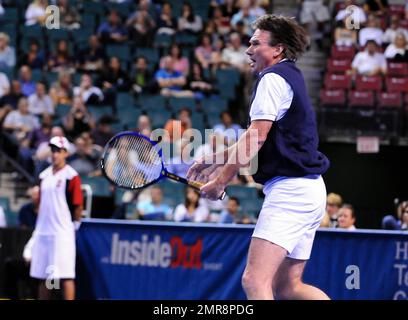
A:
x: 60, y: 210
x: 289, y: 165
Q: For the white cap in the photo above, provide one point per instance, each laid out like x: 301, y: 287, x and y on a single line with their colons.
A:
x: 59, y: 142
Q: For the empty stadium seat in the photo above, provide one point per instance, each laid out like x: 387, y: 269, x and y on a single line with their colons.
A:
x: 389, y: 100
x: 342, y: 52
x: 394, y: 84
x: 369, y: 83
x: 338, y: 65
x: 120, y: 51
x: 183, y: 102
x: 397, y: 69
x: 152, y: 54
x: 5, y: 203
x: 100, y: 186
x: 158, y: 119
x: 329, y: 97
x: 361, y: 99
x: 214, y: 105
x: 124, y: 99
x: 242, y: 192
x: 152, y: 102
x: 337, y: 81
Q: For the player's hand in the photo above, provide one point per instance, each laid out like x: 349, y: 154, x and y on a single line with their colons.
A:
x: 212, y: 190
x: 196, y: 170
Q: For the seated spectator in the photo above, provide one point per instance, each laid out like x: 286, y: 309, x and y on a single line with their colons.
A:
x: 4, y: 85
x: 393, y: 30
x: 371, y: 32
x: 144, y: 125
x: 230, y: 213
x: 27, y: 84
x: 205, y: 54
x: 333, y: 204
x: 369, y: 62
x: 69, y: 16
x: 344, y: 36
x: 389, y: 222
x: 377, y: 7
x: 228, y: 128
x: 398, y: 51
x: 166, y: 23
x: 141, y: 25
x: 255, y: 8
x: 11, y: 99
x: 114, y: 78
x: 244, y: 15
x: 176, y: 127
x: 40, y: 102
x: 78, y: 120
x: 141, y: 76
x: 189, y: 22
x: 27, y: 215
x: 60, y: 59
x: 221, y: 21
x: 353, y: 12
x: 199, y: 85
x: 113, y: 30
x: 61, y: 91
x: 191, y: 210
x: 85, y: 159
x: 7, y: 53
x: 347, y: 217
x: 92, y: 57
x: 88, y: 92
x: 20, y: 122
x: 35, y: 57
x: 103, y: 131
x: 169, y: 81
x: 180, y: 63
x: 3, y: 220
x: 234, y: 54
x: 151, y: 210
x: 36, y: 13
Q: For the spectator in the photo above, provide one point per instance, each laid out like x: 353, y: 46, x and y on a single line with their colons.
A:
x: 7, y: 53
x: 85, y: 159
x: 112, y: 31
x: 169, y: 81
x: 20, y: 122
x: 344, y: 36
x: 144, y: 125
x: 176, y: 127
x: 228, y: 128
x: 36, y: 13
x: 3, y: 221
x: 92, y: 57
x: 198, y: 83
x: 191, y: 210
x: 154, y: 209
x: 114, y: 79
x: 393, y: 30
x: 234, y: 54
x: 222, y: 23
x: 141, y: 76
x: 377, y: 7
x: 141, y: 25
x: 244, y: 15
x: 334, y: 202
x: 35, y: 57
x: 358, y: 16
x: 27, y: 215
x: 69, y: 16
x: 205, y: 53
x: 166, y: 23
x: 369, y: 62
x: 347, y: 217
x: 4, y: 85
x: 88, y: 92
x: 11, y: 99
x: 27, y: 84
x: 40, y: 102
x: 61, y: 91
x: 230, y: 213
x: 371, y: 32
x: 398, y: 51
x: 78, y: 120
x: 180, y: 64
x: 255, y: 8
x: 61, y: 58
x: 189, y: 22
x: 103, y: 131
x: 389, y: 222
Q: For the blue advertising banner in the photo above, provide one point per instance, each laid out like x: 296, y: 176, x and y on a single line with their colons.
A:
x: 156, y: 260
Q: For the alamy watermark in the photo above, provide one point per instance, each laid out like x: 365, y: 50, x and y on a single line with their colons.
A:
x: 53, y: 17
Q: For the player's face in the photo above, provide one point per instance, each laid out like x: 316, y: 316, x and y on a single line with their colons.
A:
x: 58, y: 157
x: 260, y: 52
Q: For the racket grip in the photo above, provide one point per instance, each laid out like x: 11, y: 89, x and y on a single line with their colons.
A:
x: 197, y: 185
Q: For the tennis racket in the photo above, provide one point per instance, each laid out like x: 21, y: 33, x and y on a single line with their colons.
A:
x: 131, y: 160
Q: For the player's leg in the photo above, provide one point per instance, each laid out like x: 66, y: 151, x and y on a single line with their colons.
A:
x: 43, y: 292
x: 288, y: 283
x: 68, y: 289
x: 264, y: 259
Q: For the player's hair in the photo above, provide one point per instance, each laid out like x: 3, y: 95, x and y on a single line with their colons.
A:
x: 285, y: 31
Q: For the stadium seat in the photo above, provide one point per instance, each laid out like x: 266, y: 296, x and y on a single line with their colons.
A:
x: 57, y: 34
x: 124, y: 8
x: 338, y: 66
x: 242, y: 192
x: 152, y: 102
x: 361, y: 99
x: 213, y: 119
x: 120, y: 51
x: 397, y: 69
x: 5, y: 203
x: 186, y: 39
x: 389, y: 100
x: 93, y: 7
x: 162, y: 40
x: 183, y: 102
x: 197, y: 120
x: 124, y: 99
x: 397, y: 84
x: 228, y: 76
x: 10, y: 15
x: 100, y: 186
x: 98, y: 111
x: 251, y: 207
x: 152, y: 54
x: 128, y: 116
x: 214, y: 105
x: 369, y: 83
x: 342, y: 52
x: 158, y: 119
x: 61, y: 110
x: 337, y: 81
x: 88, y: 21
x: 332, y: 98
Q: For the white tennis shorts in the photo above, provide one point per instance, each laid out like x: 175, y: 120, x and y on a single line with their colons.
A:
x: 53, y: 257
x: 291, y: 213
